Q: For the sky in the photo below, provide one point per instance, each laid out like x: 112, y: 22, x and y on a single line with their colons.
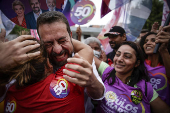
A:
x: 96, y: 20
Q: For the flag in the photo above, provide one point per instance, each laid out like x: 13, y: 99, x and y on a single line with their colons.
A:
x: 131, y: 17
x: 68, y: 5
x: 34, y: 33
x: 166, y: 11
x: 136, y: 14
x: 5, y: 23
x: 109, y: 5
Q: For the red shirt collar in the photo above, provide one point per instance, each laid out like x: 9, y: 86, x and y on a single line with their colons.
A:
x: 149, y: 62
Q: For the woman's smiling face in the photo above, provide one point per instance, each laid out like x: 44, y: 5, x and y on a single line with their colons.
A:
x: 125, y: 60
x: 149, y: 44
x: 19, y: 10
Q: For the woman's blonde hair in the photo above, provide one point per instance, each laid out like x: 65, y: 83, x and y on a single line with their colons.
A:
x: 17, y: 2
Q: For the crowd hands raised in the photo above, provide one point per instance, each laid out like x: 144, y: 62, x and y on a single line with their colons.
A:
x: 128, y: 76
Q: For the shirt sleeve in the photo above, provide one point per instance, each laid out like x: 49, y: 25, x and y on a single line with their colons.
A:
x: 98, y: 78
x: 155, y: 95
x: 102, y: 67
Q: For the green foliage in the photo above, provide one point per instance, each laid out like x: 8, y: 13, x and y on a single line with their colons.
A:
x: 156, y: 14
x: 18, y: 29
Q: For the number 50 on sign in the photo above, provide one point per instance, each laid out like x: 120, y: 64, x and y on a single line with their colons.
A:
x: 83, y: 12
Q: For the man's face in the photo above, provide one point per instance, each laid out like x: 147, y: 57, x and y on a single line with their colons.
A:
x: 35, y: 5
x: 57, y: 42
x: 115, y: 41
x: 51, y: 4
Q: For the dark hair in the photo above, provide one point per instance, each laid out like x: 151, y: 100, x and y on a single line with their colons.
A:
x: 125, y: 36
x: 30, y: 1
x: 142, y: 42
x: 144, y: 31
x: 17, y: 2
x: 27, y: 72
x: 51, y: 17
x: 138, y: 73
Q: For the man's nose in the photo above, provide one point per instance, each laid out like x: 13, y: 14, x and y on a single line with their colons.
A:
x: 53, y: 4
x: 57, y: 48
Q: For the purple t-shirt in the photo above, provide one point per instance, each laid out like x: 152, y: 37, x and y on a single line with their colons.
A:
x: 159, y: 82
x: 120, y: 97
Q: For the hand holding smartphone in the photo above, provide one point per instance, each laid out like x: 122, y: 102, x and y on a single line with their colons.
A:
x: 165, y: 24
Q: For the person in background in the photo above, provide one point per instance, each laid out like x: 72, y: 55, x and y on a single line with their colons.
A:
x: 31, y: 17
x: 116, y: 35
x: 78, y: 32
x: 51, y: 4
x: 127, y: 83
x: 158, y: 64
x: 19, y: 9
x: 95, y: 44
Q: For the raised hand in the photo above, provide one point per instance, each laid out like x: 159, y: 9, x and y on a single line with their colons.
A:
x: 85, y: 77
x: 155, y: 27
x: 163, y: 37
x: 16, y: 50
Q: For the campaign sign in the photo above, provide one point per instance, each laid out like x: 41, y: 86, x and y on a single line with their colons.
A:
x: 22, y: 12
x: 83, y: 12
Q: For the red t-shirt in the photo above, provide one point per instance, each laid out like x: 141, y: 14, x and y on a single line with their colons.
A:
x: 53, y: 94
x: 15, y: 20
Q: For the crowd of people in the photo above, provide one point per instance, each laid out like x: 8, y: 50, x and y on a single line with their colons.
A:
x: 56, y: 74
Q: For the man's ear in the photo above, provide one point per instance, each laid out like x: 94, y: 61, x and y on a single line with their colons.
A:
x: 124, y: 37
x: 137, y: 63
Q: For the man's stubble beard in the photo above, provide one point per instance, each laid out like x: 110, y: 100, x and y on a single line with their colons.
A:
x: 37, y: 11
x: 51, y: 8
x: 117, y: 45
x: 56, y: 64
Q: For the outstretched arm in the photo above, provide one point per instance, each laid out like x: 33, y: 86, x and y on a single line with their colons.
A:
x: 86, y: 77
x: 162, y: 107
x: 155, y: 27
x: 83, y: 50
x: 79, y: 32
x: 163, y: 37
